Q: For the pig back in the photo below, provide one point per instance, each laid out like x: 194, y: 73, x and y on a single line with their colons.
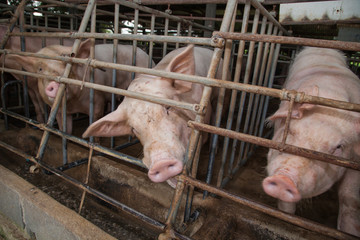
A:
x: 104, y: 52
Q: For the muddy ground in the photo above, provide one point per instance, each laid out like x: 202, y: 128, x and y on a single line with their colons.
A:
x: 217, y: 218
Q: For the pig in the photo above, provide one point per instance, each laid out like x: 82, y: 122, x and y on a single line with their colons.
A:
x: 162, y: 130
x: 32, y: 44
x: 78, y: 98
x: 319, y: 72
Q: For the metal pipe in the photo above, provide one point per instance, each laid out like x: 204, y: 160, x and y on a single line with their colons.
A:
x: 313, y: 226
x: 342, y: 45
x: 127, y: 37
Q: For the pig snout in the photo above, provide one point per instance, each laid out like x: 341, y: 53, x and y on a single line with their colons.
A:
x: 52, y: 89
x: 162, y: 170
x: 282, y: 188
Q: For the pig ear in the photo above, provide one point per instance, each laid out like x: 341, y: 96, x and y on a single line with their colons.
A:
x: 183, y: 63
x: 299, y: 108
x: 113, y: 124
x: 84, y: 49
x: 28, y: 63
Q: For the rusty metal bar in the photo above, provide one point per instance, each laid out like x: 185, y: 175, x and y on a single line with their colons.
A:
x: 196, y: 108
x: 277, y: 145
x: 80, y: 141
x: 237, y: 76
x: 86, y: 188
x: 61, y: 90
x: 342, y: 45
x: 159, y: 13
x: 246, y: 81
x: 298, y: 221
x: 128, y: 37
x: 18, y: 11
x: 208, y: 81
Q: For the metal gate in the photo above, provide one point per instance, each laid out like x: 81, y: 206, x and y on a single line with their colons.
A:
x: 252, y: 55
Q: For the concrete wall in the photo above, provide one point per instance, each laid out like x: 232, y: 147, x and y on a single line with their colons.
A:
x: 39, y: 215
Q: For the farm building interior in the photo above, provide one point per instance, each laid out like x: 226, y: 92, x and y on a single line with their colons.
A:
x: 59, y: 183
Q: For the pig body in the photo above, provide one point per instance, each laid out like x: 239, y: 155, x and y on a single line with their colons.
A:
x: 162, y: 130
x: 32, y: 44
x: 324, y: 73
x: 78, y: 99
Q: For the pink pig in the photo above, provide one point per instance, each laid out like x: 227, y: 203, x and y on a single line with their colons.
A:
x: 162, y: 130
x: 78, y: 99
x: 324, y: 73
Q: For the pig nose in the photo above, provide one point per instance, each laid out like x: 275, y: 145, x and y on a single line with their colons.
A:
x: 165, y: 169
x: 281, y: 187
x: 52, y: 89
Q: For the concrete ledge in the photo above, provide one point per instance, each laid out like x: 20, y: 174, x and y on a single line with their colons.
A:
x: 40, y: 215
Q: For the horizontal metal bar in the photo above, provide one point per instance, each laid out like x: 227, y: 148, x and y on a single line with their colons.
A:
x: 128, y: 37
x: 85, y: 187
x: 277, y: 145
x: 298, y: 221
x: 77, y: 140
x: 283, y: 94
x: 342, y: 45
x: 196, y: 108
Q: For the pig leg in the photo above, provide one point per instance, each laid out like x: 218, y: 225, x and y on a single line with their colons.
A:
x: 68, y: 121
x: 349, y: 203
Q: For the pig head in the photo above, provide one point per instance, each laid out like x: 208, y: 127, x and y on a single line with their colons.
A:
x: 162, y: 130
x: 32, y: 44
x: 323, y: 129
x: 78, y: 98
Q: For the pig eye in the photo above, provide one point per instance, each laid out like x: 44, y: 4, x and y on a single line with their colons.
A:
x: 167, y: 109
x: 40, y: 69
x: 338, y: 149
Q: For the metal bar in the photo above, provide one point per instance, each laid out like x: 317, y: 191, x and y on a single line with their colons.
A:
x: 255, y: 81
x: 166, y: 29
x: 86, y: 188
x: 196, y: 108
x: 114, y: 76
x: 19, y: 10
x: 61, y: 90
x: 128, y: 37
x: 246, y: 80
x: 282, y: 94
x: 298, y: 221
x: 159, y: 13
x: 277, y: 145
x: 151, y: 43
x: 80, y: 141
x: 342, y: 45
x: 238, y: 67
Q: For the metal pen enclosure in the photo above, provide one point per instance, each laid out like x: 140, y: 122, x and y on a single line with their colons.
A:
x: 250, y: 59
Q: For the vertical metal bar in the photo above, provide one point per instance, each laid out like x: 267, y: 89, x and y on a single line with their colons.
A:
x: 59, y: 26
x: 236, y: 79
x: 178, y: 33
x: 115, y: 50
x: 195, y: 134
x: 151, y: 43
x: 166, y: 30
x: 190, y: 31
x: 87, y: 178
x: 219, y: 107
x: 136, y: 24
x: 23, y: 49
x: 61, y: 90
x: 92, y: 56
x: 264, y: 99
x: 256, y: 81
x: 270, y: 84
x: 241, y: 157
x: 260, y: 99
